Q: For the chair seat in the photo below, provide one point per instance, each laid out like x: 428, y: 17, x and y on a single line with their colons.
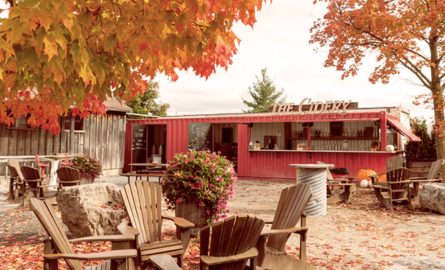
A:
x: 43, y: 165
x: 172, y: 248
x: 103, y: 266
x: 66, y: 163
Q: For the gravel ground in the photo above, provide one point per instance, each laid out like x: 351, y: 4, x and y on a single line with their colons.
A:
x: 359, y: 235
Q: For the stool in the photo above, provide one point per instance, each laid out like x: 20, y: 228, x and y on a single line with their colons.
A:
x: 41, y: 165
x: 66, y: 163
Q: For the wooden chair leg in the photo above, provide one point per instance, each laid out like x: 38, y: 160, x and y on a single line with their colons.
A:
x: 48, y: 248
x: 261, y: 246
x: 11, y: 189
x: 303, y: 237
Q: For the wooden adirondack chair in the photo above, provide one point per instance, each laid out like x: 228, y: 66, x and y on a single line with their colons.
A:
x: 16, y: 185
x: 34, y: 183
x: 398, y: 188
x: 143, y: 204
x: 68, y: 177
x: 232, y: 244
x: 338, y: 190
x: 434, y: 175
x: 123, y: 245
x: 392, y: 163
x: 271, y: 244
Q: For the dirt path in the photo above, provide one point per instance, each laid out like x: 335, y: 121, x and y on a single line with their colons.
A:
x: 359, y: 235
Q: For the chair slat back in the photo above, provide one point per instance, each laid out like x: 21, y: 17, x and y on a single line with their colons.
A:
x: 16, y: 165
x: 67, y: 174
x: 293, y: 201
x: 30, y: 173
x: 231, y: 236
x: 12, y: 171
x: 435, y: 168
x: 53, y: 228
x: 393, y: 163
x: 398, y: 175
x: 143, y: 204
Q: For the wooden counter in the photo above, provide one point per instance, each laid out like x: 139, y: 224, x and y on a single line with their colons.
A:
x: 273, y: 165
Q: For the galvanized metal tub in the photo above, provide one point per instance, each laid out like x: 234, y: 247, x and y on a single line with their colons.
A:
x: 315, y: 176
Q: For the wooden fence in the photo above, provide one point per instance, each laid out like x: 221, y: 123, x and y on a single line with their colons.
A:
x: 103, y: 136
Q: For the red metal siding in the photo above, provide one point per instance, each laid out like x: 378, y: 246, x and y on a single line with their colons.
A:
x: 264, y: 164
x: 275, y: 164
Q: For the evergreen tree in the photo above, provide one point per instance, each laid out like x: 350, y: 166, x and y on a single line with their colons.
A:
x: 425, y: 149
x: 264, y: 93
x: 146, y: 103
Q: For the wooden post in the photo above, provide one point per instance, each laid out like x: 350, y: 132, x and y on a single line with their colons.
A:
x: 308, y: 136
x: 72, y: 135
x: 63, y: 137
x: 383, y: 136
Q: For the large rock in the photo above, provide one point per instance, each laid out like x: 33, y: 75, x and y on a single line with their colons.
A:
x: 432, y: 196
x: 424, y: 263
x: 82, y: 211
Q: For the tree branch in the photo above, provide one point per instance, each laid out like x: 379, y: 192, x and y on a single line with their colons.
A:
x: 421, y: 77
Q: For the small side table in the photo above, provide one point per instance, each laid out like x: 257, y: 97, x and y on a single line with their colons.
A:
x: 315, y: 176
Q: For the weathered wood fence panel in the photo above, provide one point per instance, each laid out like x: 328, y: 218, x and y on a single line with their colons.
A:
x: 103, y: 136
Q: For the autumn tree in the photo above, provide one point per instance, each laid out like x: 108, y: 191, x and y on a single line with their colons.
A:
x: 406, y: 34
x: 146, y: 103
x: 264, y: 93
x: 76, y: 52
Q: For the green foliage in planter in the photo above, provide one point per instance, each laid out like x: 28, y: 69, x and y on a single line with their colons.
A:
x: 426, y: 149
x: 89, y: 167
x: 200, y: 177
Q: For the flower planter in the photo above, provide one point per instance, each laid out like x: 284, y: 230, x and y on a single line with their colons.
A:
x: 193, y: 213
x: 85, y: 181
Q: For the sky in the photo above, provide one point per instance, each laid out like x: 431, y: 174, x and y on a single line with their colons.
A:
x: 279, y: 42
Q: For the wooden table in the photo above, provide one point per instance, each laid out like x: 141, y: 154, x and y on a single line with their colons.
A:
x: 54, y: 164
x: 141, y: 166
x: 315, y: 176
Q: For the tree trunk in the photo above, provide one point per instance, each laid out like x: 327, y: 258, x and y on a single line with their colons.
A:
x: 439, y: 122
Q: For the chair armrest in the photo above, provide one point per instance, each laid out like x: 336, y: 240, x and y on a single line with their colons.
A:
x: 210, y: 260
x: 375, y: 175
x: 113, y: 238
x: 108, y: 255
x: 398, y: 182
x: 283, y: 231
x: 164, y: 262
x: 380, y: 187
x: 180, y: 222
x: 418, y: 178
x: 49, y: 186
x: 127, y: 230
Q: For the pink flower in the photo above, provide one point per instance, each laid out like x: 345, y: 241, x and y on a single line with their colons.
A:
x: 192, y: 156
x: 174, y: 165
x: 219, y: 152
x: 200, y: 203
x: 208, y: 212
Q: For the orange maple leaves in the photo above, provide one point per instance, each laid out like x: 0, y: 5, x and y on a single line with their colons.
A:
x: 402, y: 34
x: 72, y: 51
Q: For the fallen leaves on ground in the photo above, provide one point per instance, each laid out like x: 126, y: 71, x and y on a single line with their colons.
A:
x: 365, y: 235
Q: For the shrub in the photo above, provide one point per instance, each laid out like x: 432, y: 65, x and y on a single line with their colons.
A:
x: 200, y: 177
x: 89, y: 167
x: 426, y: 149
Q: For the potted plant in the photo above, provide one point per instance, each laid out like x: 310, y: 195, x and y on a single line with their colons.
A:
x: 89, y: 167
x: 197, y: 185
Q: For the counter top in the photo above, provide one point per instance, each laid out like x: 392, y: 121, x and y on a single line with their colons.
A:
x: 325, y: 151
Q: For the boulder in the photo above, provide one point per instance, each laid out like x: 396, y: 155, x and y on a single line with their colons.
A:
x: 83, y: 209
x: 432, y: 196
x: 424, y: 263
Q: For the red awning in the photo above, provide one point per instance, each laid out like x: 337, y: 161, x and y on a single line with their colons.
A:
x: 402, y: 129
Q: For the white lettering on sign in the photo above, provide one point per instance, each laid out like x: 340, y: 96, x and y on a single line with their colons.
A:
x: 317, y: 107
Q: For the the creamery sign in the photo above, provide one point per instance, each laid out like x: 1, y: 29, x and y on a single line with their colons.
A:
x: 315, y: 107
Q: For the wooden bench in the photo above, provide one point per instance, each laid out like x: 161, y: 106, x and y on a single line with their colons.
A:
x: 148, y: 173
